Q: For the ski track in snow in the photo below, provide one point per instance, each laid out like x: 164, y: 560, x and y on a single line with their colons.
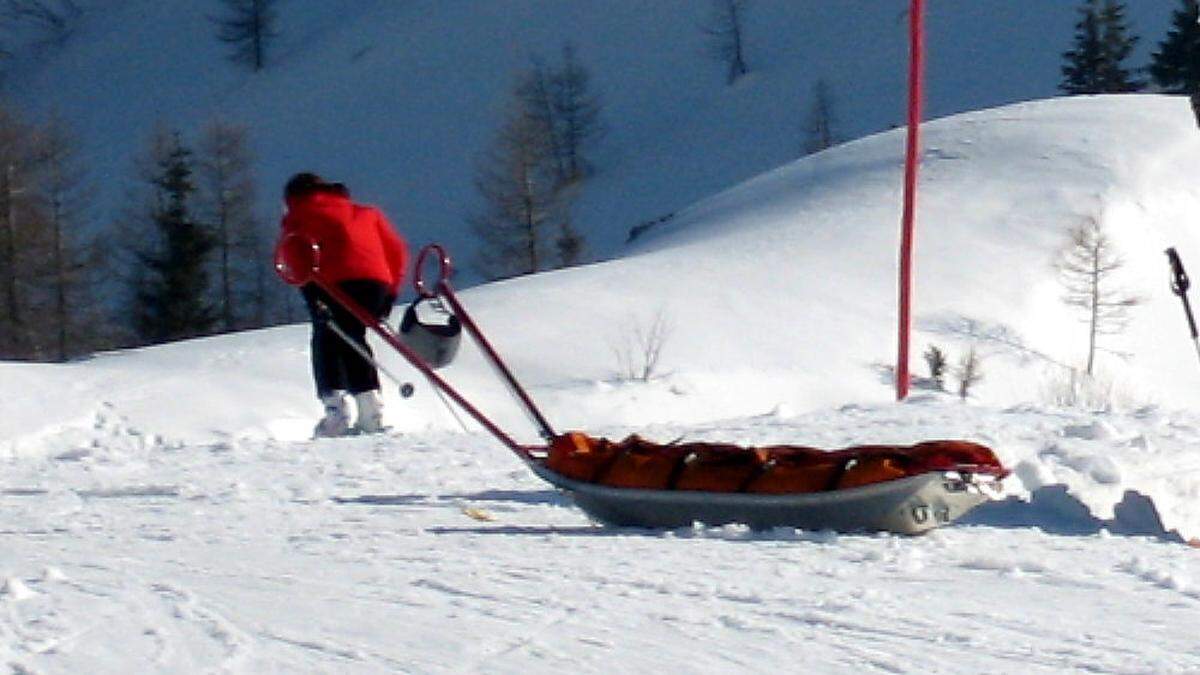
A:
x: 124, y: 552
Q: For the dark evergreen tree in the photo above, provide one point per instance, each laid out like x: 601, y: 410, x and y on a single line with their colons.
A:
x: 576, y: 118
x: 172, y: 284
x: 1176, y: 65
x: 1096, y: 62
x: 248, y: 26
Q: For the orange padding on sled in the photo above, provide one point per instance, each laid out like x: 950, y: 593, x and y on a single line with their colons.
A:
x: 785, y: 469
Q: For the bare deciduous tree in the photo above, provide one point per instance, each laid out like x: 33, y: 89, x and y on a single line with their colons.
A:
x: 535, y: 171
x: 725, y: 32
x: 821, y: 121
x: 249, y: 26
x: 54, y: 19
x: 226, y: 199
x: 21, y: 237
x: 561, y: 101
x: 1086, y: 266
x: 523, y: 203
x: 77, y: 323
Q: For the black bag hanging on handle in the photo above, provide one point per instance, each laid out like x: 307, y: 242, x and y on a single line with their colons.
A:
x: 434, y: 336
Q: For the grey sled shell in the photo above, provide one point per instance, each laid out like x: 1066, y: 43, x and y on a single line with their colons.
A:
x: 911, y: 505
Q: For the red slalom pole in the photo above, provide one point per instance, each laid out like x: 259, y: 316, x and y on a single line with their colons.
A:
x: 916, y: 87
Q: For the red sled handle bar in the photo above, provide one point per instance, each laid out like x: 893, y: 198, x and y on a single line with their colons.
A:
x: 298, y: 262
x: 445, y: 290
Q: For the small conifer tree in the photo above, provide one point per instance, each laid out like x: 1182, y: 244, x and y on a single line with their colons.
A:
x: 1096, y: 62
x: 172, y: 286
x: 935, y: 358
x: 1176, y: 65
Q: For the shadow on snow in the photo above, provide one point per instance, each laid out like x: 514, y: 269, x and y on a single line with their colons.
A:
x: 1055, y: 511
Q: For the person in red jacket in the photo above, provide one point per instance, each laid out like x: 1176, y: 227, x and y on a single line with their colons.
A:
x: 363, y: 255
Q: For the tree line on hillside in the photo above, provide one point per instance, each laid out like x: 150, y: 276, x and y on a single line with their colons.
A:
x: 1097, y: 62
x: 187, y: 257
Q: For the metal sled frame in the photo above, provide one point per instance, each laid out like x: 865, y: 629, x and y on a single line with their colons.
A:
x: 305, y: 267
x: 910, y: 505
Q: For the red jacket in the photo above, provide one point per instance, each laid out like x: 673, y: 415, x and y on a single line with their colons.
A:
x: 357, y: 241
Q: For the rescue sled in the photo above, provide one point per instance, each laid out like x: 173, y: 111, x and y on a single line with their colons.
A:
x: 907, y: 490
x: 636, y: 482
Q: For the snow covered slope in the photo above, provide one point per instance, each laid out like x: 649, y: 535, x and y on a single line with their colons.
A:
x: 400, y: 98
x: 165, y: 500
x: 793, y: 273
x: 779, y: 294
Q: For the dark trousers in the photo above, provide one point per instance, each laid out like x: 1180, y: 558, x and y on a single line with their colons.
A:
x: 336, y: 365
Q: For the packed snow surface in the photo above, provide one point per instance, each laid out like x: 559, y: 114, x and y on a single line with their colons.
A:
x: 120, y: 552
x: 164, y: 511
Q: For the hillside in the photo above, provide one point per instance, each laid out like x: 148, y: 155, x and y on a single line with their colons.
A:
x: 164, y: 509
x: 778, y: 296
x: 400, y: 98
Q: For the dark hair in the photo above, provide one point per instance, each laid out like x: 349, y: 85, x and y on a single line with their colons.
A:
x: 306, y: 183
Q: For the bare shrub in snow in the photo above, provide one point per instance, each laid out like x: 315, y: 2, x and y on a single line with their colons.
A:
x: 969, y: 372
x: 1069, y: 388
x: 638, y: 349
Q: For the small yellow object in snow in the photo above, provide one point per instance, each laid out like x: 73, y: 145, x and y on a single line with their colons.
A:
x: 478, y: 514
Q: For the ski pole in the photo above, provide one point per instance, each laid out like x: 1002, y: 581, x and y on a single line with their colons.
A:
x: 406, y: 388
x: 298, y: 262
x: 1179, y: 285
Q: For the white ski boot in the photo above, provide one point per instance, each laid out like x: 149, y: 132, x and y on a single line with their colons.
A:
x: 337, y: 416
x: 370, y: 413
